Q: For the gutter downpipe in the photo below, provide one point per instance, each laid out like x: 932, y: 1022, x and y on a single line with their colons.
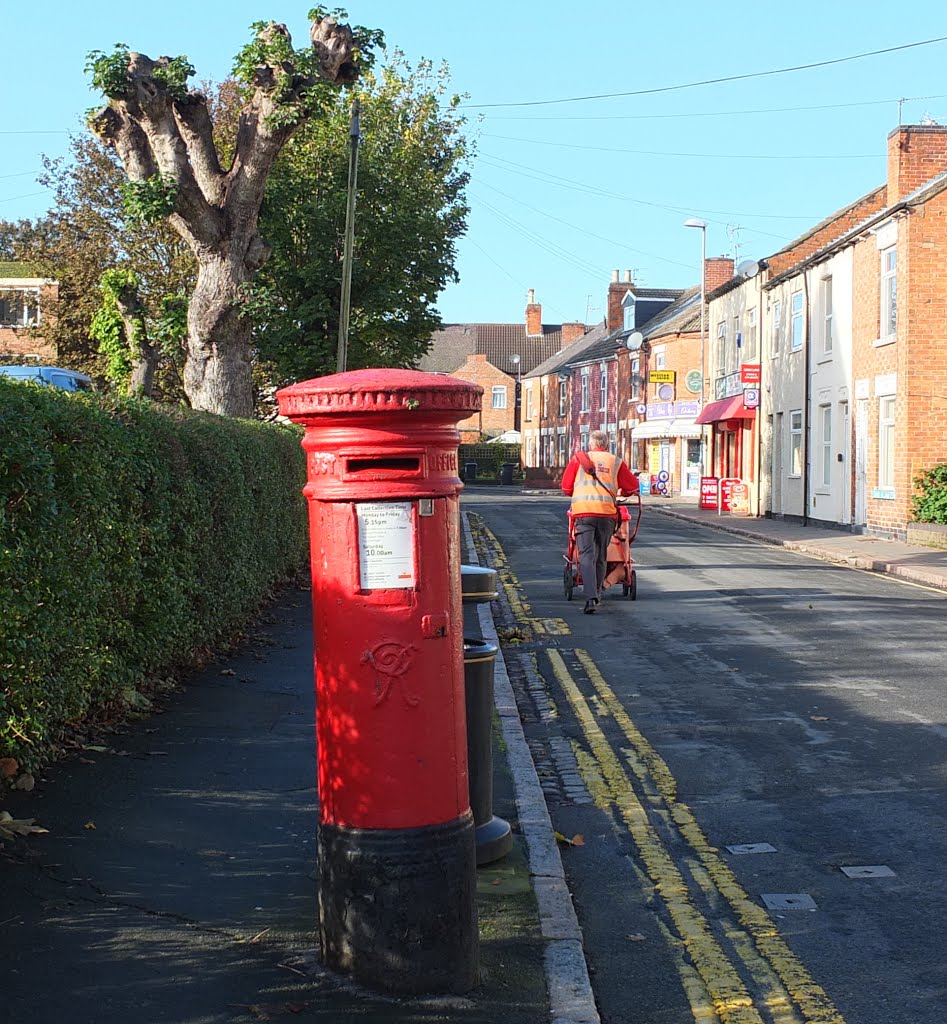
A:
x: 806, y: 398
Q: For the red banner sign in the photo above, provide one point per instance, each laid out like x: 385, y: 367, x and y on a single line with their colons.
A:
x: 750, y: 373
x: 708, y: 492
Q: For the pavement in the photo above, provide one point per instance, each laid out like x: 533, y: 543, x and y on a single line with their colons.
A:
x: 176, y: 882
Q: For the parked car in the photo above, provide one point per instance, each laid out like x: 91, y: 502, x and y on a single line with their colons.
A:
x: 52, y: 376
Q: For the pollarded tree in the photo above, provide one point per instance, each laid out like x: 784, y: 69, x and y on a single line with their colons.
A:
x: 164, y: 136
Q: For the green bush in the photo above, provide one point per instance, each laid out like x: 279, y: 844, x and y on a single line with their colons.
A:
x: 930, y: 506
x: 489, y: 457
x: 130, y: 539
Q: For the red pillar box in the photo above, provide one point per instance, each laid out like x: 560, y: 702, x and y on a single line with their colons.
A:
x: 397, y: 876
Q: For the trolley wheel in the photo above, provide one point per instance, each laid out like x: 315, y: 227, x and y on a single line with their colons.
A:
x: 568, y: 583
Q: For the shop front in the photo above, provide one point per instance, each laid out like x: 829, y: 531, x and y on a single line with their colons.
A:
x: 733, y: 443
x: 668, y: 445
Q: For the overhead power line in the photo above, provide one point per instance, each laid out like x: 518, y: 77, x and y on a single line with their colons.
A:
x: 712, y: 113
x: 710, y: 81
x: 700, y: 156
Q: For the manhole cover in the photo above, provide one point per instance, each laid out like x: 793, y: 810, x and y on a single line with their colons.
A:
x: 742, y: 848
x: 788, y: 901
x: 869, y: 871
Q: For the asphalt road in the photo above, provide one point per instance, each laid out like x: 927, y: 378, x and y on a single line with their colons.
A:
x: 748, y: 696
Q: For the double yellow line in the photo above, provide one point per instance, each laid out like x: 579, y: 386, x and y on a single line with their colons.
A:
x: 711, y: 964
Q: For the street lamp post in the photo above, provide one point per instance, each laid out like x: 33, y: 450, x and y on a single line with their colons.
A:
x: 695, y: 222
x: 517, y: 396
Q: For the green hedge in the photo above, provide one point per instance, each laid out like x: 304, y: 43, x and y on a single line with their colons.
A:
x: 130, y: 539
x: 489, y: 458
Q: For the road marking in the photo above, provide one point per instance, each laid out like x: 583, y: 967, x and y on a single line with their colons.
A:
x: 650, y: 767
x: 725, y: 989
x: 493, y: 554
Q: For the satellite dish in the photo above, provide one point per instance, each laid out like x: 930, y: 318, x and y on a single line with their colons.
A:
x: 634, y: 341
x: 747, y: 269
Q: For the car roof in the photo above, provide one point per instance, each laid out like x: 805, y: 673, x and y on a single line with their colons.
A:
x: 37, y: 371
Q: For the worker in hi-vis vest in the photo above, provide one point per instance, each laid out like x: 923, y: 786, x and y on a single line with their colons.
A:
x: 594, y: 479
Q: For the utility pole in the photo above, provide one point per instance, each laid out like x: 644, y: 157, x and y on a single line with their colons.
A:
x: 345, y: 305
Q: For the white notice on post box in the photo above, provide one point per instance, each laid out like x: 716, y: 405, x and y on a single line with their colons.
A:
x: 385, y: 545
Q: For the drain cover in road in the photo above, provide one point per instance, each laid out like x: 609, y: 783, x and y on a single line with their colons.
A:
x: 788, y: 901
x: 742, y: 848
x: 868, y: 871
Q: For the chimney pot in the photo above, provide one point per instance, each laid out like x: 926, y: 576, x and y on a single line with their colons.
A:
x: 615, y: 276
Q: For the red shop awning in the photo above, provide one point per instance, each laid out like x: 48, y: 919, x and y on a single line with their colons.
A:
x: 727, y: 409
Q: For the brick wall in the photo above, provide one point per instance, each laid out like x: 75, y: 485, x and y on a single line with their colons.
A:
x: 916, y: 153
x: 490, y: 421
x: 826, y: 232
x: 717, y: 271
x: 26, y: 341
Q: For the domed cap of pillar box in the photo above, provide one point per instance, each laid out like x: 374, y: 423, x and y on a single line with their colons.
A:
x: 361, y: 392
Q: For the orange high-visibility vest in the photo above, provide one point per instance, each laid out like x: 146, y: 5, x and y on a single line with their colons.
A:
x: 591, y: 498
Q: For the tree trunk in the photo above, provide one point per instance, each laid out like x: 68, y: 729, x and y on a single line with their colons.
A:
x: 217, y: 373
x: 143, y: 354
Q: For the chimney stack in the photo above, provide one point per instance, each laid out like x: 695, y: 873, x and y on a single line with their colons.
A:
x: 916, y: 153
x: 717, y: 271
x: 617, y: 290
x: 534, y: 316
x: 570, y: 332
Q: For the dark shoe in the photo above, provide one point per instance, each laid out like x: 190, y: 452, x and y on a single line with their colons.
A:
x: 589, y: 608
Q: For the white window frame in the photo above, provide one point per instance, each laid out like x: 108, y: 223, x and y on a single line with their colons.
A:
x: 794, y: 462
x: 721, y: 348
x: 603, y: 386
x: 498, y: 396
x: 529, y: 403
x: 776, y: 340
x: 586, y: 390
x: 887, y: 405
x: 828, y: 339
x: 888, y: 323
x: 825, y: 440
x: 563, y: 397
x: 796, y: 315
x: 584, y: 432
x: 750, y: 350
x: 628, y: 313
x: 660, y: 358
x: 561, y: 459
x: 635, y: 379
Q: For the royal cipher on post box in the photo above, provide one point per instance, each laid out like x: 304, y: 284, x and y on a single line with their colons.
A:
x: 396, y: 837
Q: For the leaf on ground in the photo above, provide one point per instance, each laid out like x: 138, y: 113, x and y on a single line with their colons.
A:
x: 227, y: 672
x: 25, y: 782
x: 577, y: 840
x: 818, y: 718
x: 9, y: 766
x: 635, y: 938
x: 89, y: 826
x: 11, y: 827
x: 98, y: 748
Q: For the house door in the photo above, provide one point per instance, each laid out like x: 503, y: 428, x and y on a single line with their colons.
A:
x: 861, y: 462
x: 846, y: 468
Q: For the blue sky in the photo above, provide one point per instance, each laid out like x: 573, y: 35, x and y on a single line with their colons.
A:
x: 563, y: 193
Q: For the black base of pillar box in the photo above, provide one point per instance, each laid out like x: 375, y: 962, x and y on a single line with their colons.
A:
x: 397, y: 907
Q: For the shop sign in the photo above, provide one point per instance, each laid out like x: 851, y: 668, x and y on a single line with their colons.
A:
x: 727, y: 387
x: 692, y: 381
x: 751, y: 398
x: 668, y: 410
x: 708, y: 492
x: 750, y: 373
x: 662, y: 376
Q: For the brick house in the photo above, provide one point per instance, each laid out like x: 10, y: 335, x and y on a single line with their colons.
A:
x: 856, y: 326
x: 497, y: 357
x: 22, y: 301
